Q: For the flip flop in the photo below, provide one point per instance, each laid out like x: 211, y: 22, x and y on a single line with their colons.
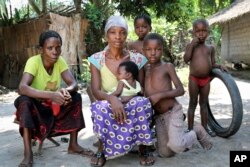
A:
x: 211, y: 133
x: 144, y: 156
x: 100, y: 160
x: 96, y: 144
x: 84, y: 153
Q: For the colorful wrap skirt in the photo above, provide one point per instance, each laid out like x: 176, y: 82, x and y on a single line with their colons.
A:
x: 32, y: 114
x: 119, y: 139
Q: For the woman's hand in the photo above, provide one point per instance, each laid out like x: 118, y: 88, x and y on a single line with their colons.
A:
x: 118, y: 110
x: 58, y: 98
x: 67, y: 96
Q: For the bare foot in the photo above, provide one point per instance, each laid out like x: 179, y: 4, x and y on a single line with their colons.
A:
x: 77, y: 149
x: 203, y: 137
x: 27, y: 160
x: 206, y: 143
x: 146, y: 156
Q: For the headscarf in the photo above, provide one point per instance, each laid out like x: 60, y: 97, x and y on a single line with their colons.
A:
x: 117, y: 21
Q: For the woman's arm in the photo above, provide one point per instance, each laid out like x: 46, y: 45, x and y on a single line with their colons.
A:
x: 69, y: 80
x: 71, y: 86
x: 116, y: 105
x: 25, y: 89
x: 96, y: 84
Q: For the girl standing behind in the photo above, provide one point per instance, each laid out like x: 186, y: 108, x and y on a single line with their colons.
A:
x: 142, y: 26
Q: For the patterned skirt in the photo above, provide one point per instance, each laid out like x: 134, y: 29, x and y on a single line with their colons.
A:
x: 119, y: 139
x: 32, y: 114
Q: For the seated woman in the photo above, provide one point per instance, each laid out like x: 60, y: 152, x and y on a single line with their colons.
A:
x: 40, y: 95
x: 119, y: 127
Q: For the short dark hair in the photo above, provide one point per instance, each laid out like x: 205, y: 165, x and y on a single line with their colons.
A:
x: 202, y: 21
x: 131, y: 67
x: 48, y: 34
x: 154, y: 36
x: 145, y: 17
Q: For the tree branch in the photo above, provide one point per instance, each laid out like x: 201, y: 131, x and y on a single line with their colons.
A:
x: 44, y: 6
x: 34, y: 6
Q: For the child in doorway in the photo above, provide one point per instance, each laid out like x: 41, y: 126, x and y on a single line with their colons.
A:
x: 128, y: 86
x: 159, y: 76
x: 142, y: 26
x: 202, y: 59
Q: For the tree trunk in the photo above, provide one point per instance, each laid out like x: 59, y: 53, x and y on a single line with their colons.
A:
x: 78, y: 5
x: 44, y: 6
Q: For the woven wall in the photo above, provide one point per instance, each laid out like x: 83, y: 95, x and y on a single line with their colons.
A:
x: 236, y: 40
x: 19, y: 42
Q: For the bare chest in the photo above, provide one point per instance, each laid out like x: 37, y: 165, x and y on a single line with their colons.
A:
x: 156, y: 80
x: 112, y: 65
x: 202, y: 52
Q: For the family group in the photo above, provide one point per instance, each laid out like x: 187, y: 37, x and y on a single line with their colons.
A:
x: 134, y: 89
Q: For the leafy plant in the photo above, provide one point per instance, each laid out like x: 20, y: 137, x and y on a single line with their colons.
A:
x: 85, y: 75
x: 94, y: 12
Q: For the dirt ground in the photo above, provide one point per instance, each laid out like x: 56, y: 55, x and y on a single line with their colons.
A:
x: 11, y: 148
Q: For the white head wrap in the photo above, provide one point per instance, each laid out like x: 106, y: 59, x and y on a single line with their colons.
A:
x: 117, y: 21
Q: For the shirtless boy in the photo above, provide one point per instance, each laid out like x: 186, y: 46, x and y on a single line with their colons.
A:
x: 201, y: 58
x: 159, y: 77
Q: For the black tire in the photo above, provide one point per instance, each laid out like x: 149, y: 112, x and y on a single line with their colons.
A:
x: 237, y: 108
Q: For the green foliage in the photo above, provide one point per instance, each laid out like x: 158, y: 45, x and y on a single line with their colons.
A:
x: 5, y: 19
x: 85, y: 76
x: 94, y: 15
x: 94, y: 12
x: 172, y: 10
x: 3, y: 8
x: 173, y: 19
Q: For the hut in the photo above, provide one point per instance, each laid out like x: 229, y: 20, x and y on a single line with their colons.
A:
x: 235, y: 37
x: 19, y: 42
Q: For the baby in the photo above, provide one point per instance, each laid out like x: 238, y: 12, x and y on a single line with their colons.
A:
x: 128, y: 86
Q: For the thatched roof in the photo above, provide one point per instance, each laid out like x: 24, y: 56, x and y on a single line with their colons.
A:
x: 237, y: 9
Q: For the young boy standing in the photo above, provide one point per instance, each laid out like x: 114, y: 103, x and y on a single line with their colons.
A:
x: 202, y: 60
x: 159, y: 76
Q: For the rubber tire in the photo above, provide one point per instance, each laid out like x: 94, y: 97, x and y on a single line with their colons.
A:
x: 233, y: 90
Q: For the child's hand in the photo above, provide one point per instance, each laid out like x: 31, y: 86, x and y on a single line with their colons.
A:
x: 142, y: 91
x: 222, y: 68
x: 154, y: 99
x: 195, y: 41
